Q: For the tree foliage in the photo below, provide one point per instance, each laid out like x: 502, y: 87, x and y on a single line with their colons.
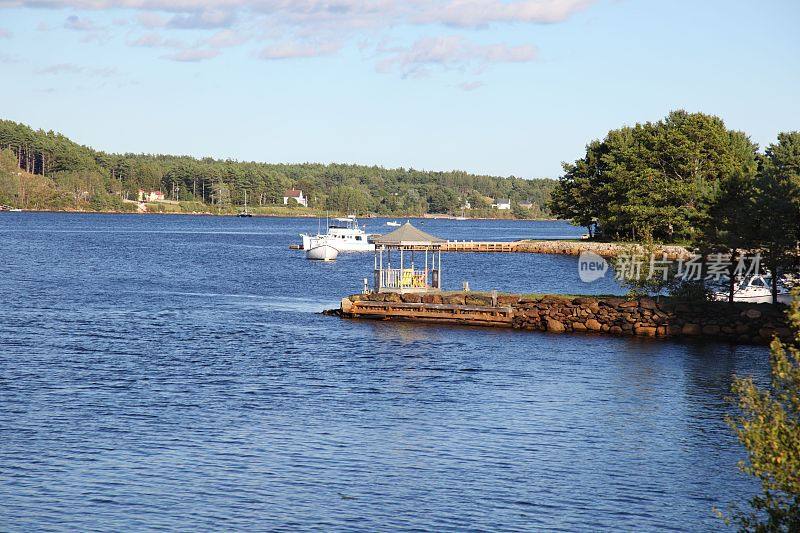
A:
x: 337, y: 187
x: 660, y: 175
x: 769, y: 429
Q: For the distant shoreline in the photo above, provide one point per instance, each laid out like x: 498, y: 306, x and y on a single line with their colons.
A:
x: 293, y: 214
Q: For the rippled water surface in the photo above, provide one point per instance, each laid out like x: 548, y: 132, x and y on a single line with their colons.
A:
x: 173, y: 372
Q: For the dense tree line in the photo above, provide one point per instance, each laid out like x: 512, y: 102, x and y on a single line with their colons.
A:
x: 688, y: 178
x: 63, y: 167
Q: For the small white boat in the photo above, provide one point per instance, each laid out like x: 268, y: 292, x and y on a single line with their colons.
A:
x: 393, y: 224
x: 754, y: 289
x: 320, y: 250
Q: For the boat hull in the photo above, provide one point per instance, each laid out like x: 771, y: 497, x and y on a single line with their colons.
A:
x: 322, y: 252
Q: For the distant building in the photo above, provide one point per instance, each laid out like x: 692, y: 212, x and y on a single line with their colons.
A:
x: 527, y: 204
x: 466, y: 205
x: 150, y: 196
x: 296, y: 195
x: 502, y: 204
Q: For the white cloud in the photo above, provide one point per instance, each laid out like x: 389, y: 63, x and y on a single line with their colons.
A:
x: 451, y: 52
x: 72, y: 68
x: 192, y: 55
x: 292, y: 50
x: 308, y: 28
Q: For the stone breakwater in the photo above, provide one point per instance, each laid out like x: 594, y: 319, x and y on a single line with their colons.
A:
x: 603, y: 249
x: 645, y: 317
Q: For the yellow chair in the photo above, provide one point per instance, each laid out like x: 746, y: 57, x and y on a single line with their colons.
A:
x: 407, y: 278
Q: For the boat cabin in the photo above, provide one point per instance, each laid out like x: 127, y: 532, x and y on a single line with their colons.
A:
x: 408, y: 260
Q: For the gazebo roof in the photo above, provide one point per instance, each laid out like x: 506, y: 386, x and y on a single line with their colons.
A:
x: 408, y: 235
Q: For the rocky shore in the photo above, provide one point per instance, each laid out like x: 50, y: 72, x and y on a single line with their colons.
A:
x: 739, y: 323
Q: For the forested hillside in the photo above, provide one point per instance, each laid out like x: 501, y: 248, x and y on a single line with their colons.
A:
x: 44, y: 169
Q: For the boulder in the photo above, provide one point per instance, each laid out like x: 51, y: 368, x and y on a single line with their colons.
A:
x: 645, y: 331
x: 555, y: 326
x: 711, y: 329
x: 690, y: 330
x: 507, y: 299
x: 453, y: 299
x: 578, y: 326
x: 477, y: 299
x: 648, y: 303
x: 752, y: 314
x: 432, y: 298
x: 593, y: 324
x: 411, y: 298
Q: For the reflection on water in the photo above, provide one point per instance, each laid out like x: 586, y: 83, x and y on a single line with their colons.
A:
x: 174, y: 372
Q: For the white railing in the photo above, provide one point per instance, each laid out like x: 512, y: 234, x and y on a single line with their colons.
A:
x: 406, y: 278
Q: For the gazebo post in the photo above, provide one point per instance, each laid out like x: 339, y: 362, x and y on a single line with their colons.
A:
x: 439, y: 277
x: 426, y: 266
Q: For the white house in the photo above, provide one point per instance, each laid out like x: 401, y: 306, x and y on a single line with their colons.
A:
x: 502, y: 204
x: 527, y: 204
x: 296, y: 195
x: 150, y: 196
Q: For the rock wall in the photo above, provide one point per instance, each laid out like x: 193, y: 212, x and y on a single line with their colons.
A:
x: 645, y: 317
x: 603, y: 249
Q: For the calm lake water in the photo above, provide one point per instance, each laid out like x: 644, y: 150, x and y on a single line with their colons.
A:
x: 173, y: 372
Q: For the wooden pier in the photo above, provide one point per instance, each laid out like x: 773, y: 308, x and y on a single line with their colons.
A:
x: 475, y: 315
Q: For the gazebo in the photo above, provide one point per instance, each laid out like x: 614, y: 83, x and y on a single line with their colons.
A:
x: 415, y: 265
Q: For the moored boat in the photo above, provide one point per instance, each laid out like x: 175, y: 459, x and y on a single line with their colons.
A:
x: 344, y: 234
x: 754, y: 289
x: 320, y: 250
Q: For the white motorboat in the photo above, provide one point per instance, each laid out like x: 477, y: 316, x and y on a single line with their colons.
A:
x: 754, y: 289
x: 320, y: 250
x: 344, y: 234
x: 393, y: 224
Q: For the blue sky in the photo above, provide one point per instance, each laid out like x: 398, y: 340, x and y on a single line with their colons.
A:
x: 488, y: 86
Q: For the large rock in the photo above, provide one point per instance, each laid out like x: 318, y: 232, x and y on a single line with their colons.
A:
x: 690, y: 329
x: 432, y: 298
x: 645, y: 331
x: 477, y: 299
x: 507, y: 299
x: 593, y: 324
x: 411, y: 298
x: 453, y: 299
x: 555, y: 326
x: 752, y: 314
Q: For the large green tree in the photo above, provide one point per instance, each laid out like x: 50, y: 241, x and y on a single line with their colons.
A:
x: 777, y: 207
x: 660, y: 176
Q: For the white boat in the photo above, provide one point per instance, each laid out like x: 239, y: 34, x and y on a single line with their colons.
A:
x: 344, y: 234
x: 320, y: 250
x: 393, y: 224
x: 754, y: 289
